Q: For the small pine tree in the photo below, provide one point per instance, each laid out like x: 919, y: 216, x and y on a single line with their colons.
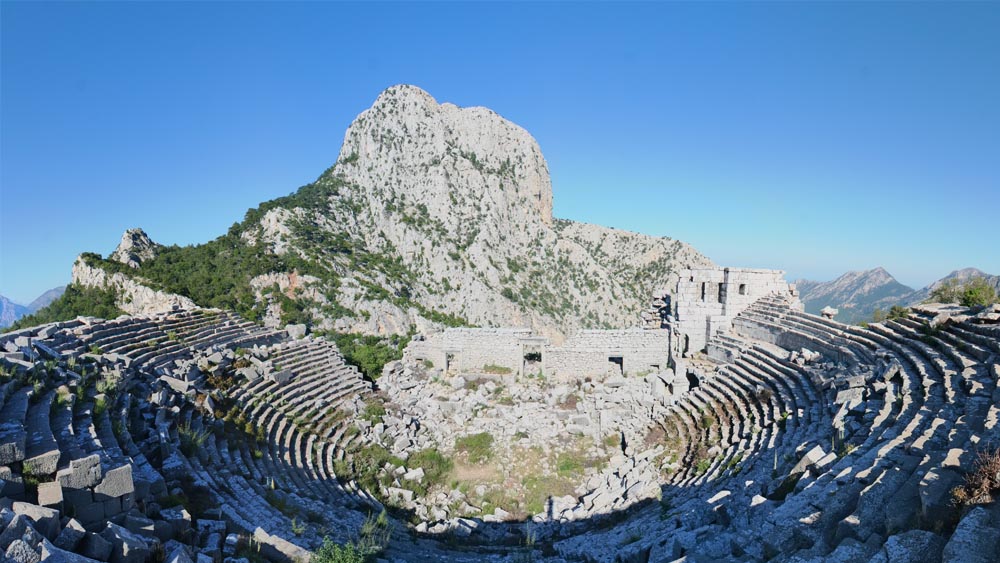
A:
x: 978, y: 292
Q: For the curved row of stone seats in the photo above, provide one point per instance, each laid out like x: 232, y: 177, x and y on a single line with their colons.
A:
x: 99, y: 439
x: 933, y: 370
x: 911, y: 406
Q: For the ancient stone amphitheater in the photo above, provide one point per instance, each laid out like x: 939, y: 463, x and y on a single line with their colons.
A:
x: 195, y: 435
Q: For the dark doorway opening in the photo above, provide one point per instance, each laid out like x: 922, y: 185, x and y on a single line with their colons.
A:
x: 617, y: 364
x: 692, y: 380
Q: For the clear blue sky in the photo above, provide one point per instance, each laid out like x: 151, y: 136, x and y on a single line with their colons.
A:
x: 811, y: 137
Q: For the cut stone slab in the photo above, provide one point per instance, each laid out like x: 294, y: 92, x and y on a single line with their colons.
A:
x: 13, y: 437
x: 41, y: 449
x: 82, y: 473
x: 50, y: 494
x: 116, y: 483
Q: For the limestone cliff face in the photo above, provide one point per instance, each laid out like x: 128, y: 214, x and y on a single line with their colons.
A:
x: 133, y: 297
x: 460, y: 199
x: 134, y: 248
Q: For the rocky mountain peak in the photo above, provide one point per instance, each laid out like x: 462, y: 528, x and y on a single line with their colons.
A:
x: 134, y: 248
x: 446, y: 158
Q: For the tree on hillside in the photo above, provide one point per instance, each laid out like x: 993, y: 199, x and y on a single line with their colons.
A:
x: 975, y: 292
x: 978, y: 292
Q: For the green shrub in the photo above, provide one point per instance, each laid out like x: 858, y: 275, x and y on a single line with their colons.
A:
x: 478, y: 447
x: 331, y: 552
x: 369, y: 353
x: 191, y: 439
x: 435, y: 465
x: 373, y: 413
x: 978, y: 292
x: 975, y: 292
x: 569, y: 465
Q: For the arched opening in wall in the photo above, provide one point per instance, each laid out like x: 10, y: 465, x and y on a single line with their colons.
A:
x: 692, y: 380
x: 616, y: 365
x: 703, y: 289
x: 687, y: 344
x: 449, y: 362
x: 720, y: 293
x: 743, y: 289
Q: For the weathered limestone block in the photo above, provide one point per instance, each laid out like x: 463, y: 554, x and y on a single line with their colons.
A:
x: 13, y: 437
x: 116, y: 483
x: 936, y: 504
x: 11, y: 484
x: 41, y: 449
x: 81, y: 474
x: 279, y: 549
x: 126, y: 547
x: 15, y: 529
x: 21, y: 552
x: 70, y: 536
x: 178, y: 554
x: 53, y: 554
x: 45, y: 520
x: 976, y: 539
x: 179, y: 520
x: 50, y: 494
x: 96, y: 547
x: 914, y: 546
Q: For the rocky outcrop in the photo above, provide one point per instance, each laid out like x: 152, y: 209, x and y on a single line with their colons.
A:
x: 132, y: 296
x: 134, y: 248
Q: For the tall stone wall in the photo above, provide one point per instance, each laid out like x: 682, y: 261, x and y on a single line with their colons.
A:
x: 590, y: 353
x: 596, y: 353
x: 708, y: 299
x: 473, y: 349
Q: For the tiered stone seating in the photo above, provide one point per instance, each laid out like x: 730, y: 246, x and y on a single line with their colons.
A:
x: 780, y: 455
x: 881, y: 427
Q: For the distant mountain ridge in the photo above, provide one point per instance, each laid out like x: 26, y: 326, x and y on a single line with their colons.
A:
x: 11, y: 311
x: 858, y: 294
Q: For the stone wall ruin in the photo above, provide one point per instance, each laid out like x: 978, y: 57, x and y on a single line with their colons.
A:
x: 589, y: 353
x: 708, y: 299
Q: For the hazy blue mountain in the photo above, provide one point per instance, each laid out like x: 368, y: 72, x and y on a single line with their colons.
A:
x: 46, y: 298
x: 10, y: 312
x: 855, y: 294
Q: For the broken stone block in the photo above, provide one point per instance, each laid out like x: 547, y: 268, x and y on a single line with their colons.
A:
x: 179, y: 520
x: 179, y: 554
x: 53, y: 554
x: 116, y: 483
x: 21, y: 552
x: 140, y: 525
x: 46, y: 520
x: 14, y: 530
x: 96, y: 547
x: 126, y: 547
x: 81, y: 474
x: 70, y: 536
